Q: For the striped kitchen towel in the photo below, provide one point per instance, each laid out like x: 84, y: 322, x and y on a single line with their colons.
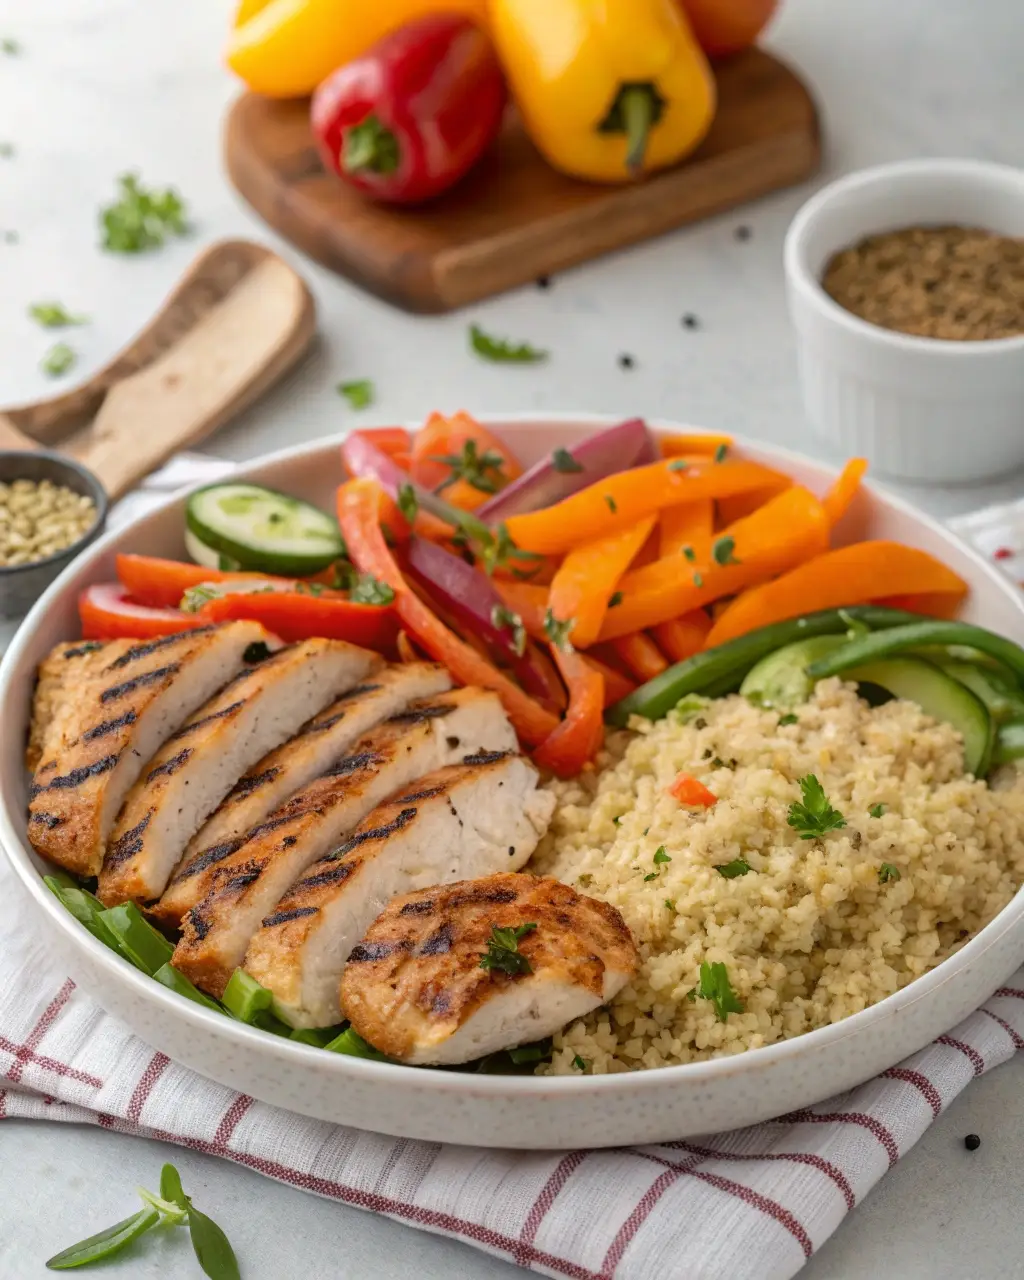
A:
x: 750, y: 1205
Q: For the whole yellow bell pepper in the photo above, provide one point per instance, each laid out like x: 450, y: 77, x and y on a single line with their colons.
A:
x: 285, y: 48
x: 608, y: 89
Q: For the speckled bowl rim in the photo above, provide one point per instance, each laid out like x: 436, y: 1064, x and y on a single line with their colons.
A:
x: 292, y: 1054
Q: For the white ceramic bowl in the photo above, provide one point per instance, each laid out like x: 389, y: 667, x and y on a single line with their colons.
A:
x: 921, y: 409
x: 525, y: 1112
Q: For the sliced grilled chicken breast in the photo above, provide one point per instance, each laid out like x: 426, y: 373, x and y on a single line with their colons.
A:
x: 467, y: 820
x: 293, y: 766
x: 113, y: 722
x: 416, y: 990
x: 247, y: 876
x: 197, y: 766
x: 65, y: 668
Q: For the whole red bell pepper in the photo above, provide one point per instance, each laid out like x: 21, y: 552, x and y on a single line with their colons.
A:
x: 410, y: 117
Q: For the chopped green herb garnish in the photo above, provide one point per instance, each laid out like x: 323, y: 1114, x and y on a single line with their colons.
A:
x: 660, y: 856
x: 496, y: 549
x: 877, y: 810
x: 613, y: 506
x: 789, y: 718
x: 721, y: 453
x: 52, y: 315
x: 563, y: 461
x: 6, y: 150
x: 586, y: 879
x: 615, y: 600
x: 139, y: 219
x: 815, y: 816
x: 502, y: 617
x: 616, y: 820
x: 558, y: 632
x: 722, y: 551
x: 692, y: 704
x: 579, y: 1063
x: 473, y: 467
x: 366, y: 589
x: 58, y: 360
x: 887, y: 872
x: 503, y: 950
x: 502, y: 351
x: 195, y: 597
x: 733, y: 870
x: 359, y: 394
x: 698, y: 580
x: 408, y: 503
x: 653, y: 875
x: 690, y: 554
x: 670, y: 903
x: 678, y: 464
x: 9, y: 46
x: 714, y: 985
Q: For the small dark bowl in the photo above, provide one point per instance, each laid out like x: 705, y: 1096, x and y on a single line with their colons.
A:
x: 21, y: 585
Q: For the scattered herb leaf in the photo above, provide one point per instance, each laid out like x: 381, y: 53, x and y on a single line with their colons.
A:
x: 732, y: 870
x: 408, y: 503
x: 678, y: 464
x: 613, y: 506
x: 9, y: 46
x: 698, y: 580
x: 195, y: 597
x: 586, y: 879
x: 814, y: 816
x: 579, y: 1063
x: 714, y: 985
x: 501, y: 350
x: 722, y: 551
x: 58, y: 360
x: 670, y: 903
x: 503, y: 950
x: 106, y: 1243
x: 788, y: 718
x: 558, y: 632
x: 563, y: 461
x: 661, y: 856
x: 690, y: 554
x: 615, y: 600
x: 471, y: 466
x: 877, y: 810
x: 212, y: 1247
x: 721, y: 453
x: 370, y: 590
x: 6, y: 150
x: 887, y: 872
x: 502, y: 617
x: 653, y: 875
x: 359, y: 394
x: 52, y: 315
x: 139, y: 219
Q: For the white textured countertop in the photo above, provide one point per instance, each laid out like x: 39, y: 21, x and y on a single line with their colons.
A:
x: 103, y: 86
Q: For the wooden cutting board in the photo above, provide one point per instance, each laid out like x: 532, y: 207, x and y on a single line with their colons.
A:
x: 514, y: 218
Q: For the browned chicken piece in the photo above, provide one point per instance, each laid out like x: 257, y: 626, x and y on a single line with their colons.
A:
x: 112, y: 722
x: 245, y: 878
x: 452, y: 973
x: 194, y: 770
x: 65, y: 667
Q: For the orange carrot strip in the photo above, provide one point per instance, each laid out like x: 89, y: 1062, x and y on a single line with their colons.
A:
x: 692, y: 792
x: 936, y: 604
x: 357, y: 515
x: 677, y: 445
x: 741, y: 505
x: 837, y: 501
x: 580, y: 736
x: 857, y: 574
x: 403, y: 459
x: 640, y: 655
x: 583, y: 586
x: 619, y: 501
x: 447, y: 437
x: 683, y: 637
x: 785, y: 532
x: 616, y: 685
x: 689, y: 525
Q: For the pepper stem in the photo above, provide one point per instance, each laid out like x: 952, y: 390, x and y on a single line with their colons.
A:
x: 370, y: 147
x: 639, y: 109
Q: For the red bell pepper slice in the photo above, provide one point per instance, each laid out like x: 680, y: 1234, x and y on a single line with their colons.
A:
x: 107, y: 612
x: 690, y: 791
x: 295, y: 615
x: 357, y: 514
x: 580, y: 736
x: 162, y: 583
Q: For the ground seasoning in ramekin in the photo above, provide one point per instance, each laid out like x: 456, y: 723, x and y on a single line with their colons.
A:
x: 962, y: 284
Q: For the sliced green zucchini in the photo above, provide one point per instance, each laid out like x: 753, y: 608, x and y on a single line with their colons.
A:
x: 1002, y: 696
x: 781, y: 679
x: 941, y: 697
x: 1009, y: 742
x: 259, y: 529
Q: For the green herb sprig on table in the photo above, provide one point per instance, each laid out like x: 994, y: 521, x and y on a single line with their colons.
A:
x: 54, y: 315
x: 359, y: 393
x: 141, y: 219
x: 815, y: 816
x: 58, y: 360
x: 171, y: 1208
x: 503, y: 950
x: 502, y: 351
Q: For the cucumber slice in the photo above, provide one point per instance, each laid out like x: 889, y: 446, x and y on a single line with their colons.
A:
x: 1003, y: 697
x: 941, y: 697
x: 260, y: 529
x: 781, y: 679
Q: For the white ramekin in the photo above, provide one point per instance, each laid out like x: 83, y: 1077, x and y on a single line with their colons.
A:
x: 919, y: 409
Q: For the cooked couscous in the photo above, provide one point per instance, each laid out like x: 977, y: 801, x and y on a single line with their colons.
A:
x: 809, y: 930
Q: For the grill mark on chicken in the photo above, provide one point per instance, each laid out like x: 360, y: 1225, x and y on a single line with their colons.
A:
x: 47, y: 820
x: 334, y: 875
x: 154, y: 646
x: 439, y: 943
x: 218, y: 852
x: 419, y: 715
x: 185, y: 730
x: 139, y: 682
x: 246, y: 786
x: 420, y: 795
x: 282, y: 917
x: 106, y: 727
x: 129, y: 844
x: 170, y: 766
x: 471, y: 896
x: 79, y: 651
x: 199, y: 922
x: 399, y: 821
x: 423, y: 908
x: 369, y: 952
x: 321, y: 726
x: 486, y: 757
x: 350, y: 764
x: 69, y: 781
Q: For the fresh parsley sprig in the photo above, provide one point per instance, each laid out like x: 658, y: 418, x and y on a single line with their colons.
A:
x: 141, y: 219
x: 714, y: 985
x: 503, y: 351
x: 54, y: 315
x: 473, y: 467
x: 359, y: 393
x: 503, y: 950
x: 58, y: 360
x: 563, y: 462
x: 815, y: 816
x: 559, y: 631
x: 502, y: 618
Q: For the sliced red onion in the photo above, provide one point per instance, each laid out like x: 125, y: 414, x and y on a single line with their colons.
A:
x: 615, y: 449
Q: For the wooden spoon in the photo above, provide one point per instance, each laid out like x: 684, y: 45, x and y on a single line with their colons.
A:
x: 238, y: 320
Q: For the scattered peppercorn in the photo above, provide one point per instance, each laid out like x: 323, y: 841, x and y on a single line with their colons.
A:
x: 743, y: 233
x: 543, y: 282
x: 38, y: 520
x: 972, y: 1142
x: 690, y: 321
x: 626, y: 362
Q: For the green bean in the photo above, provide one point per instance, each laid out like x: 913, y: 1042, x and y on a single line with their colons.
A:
x: 885, y: 644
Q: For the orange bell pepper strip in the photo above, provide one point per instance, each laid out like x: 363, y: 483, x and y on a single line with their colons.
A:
x: 857, y: 574
x: 296, y: 616
x: 616, y: 685
x: 838, y: 499
x: 936, y: 604
x: 589, y: 574
x: 580, y: 736
x: 529, y: 601
x: 741, y: 505
x: 640, y: 655
x: 690, y: 791
x: 683, y: 637
x: 677, y: 446
x: 390, y: 440
x: 616, y: 503
x: 448, y: 438
x: 357, y: 516
x: 785, y: 532
x: 689, y: 525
